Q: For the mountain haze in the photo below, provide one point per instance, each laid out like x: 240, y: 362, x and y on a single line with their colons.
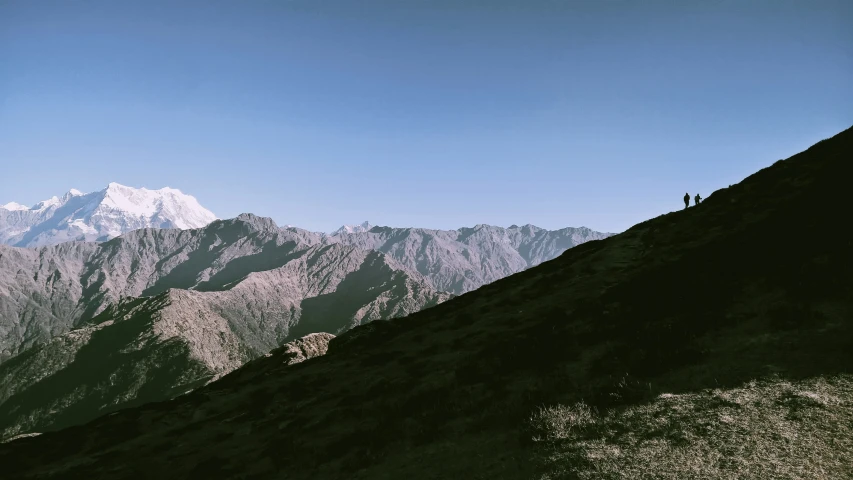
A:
x: 693, y: 345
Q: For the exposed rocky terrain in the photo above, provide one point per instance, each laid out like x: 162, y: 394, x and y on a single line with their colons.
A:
x: 143, y: 351
x: 99, y: 216
x: 458, y: 261
x: 47, y: 291
x: 194, y: 304
x: 693, y: 345
x: 155, y: 313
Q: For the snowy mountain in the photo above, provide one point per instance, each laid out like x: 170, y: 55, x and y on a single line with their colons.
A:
x: 99, y: 216
x: 363, y: 227
x: 12, y: 206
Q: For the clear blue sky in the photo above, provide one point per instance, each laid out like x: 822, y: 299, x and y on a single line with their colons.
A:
x: 417, y: 113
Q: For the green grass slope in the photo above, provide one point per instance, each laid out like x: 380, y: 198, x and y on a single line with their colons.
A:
x: 715, y: 342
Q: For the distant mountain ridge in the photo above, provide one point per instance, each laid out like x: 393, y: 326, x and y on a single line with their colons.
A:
x: 458, y: 261
x: 130, y: 317
x: 99, y: 216
x: 360, y: 228
x: 47, y: 291
x: 86, y: 328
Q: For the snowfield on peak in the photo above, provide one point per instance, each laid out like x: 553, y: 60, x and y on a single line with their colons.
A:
x: 361, y: 228
x: 12, y: 206
x: 99, y: 216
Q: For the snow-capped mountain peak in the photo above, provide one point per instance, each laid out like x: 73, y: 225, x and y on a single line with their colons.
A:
x: 100, y: 215
x: 53, y: 201
x: 163, y: 208
x: 12, y: 206
x: 363, y: 227
x: 73, y: 193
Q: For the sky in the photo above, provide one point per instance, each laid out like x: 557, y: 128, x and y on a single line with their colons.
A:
x: 437, y: 114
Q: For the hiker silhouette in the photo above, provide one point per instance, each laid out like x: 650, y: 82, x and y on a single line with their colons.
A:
x: 686, y: 200
x: 697, y: 199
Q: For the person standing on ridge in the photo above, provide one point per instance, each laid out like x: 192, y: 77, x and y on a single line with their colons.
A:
x: 697, y: 199
x: 686, y: 200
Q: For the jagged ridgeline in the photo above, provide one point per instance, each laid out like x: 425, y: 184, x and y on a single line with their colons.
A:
x: 52, y: 289
x: 699, y: 344
x: 87, y: 328
x: 155, y: 313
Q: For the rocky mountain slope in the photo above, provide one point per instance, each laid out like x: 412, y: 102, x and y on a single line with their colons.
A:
x: 143, y: 351
x: 214, y: 299
x: 99, y: 216
x: 191, y: 305
x: 462, y: 260
x: 693, y: 345
x: 47, y: 291
x: 455, y: 261
x: 252, y: 283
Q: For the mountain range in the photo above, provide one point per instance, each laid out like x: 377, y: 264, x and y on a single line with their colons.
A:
x: 693, y: 345
x: 454, y: 261
x: 458, y: 261
x: 49, y: 290
x: 159, y: 311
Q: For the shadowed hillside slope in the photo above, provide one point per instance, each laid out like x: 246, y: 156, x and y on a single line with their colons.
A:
x: 155, y: 348
x: 645, y: 343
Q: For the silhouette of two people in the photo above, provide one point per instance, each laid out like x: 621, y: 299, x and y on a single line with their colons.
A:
x: 696, y: 199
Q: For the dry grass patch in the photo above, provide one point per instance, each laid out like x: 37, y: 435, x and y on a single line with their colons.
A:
x: 764, y: 429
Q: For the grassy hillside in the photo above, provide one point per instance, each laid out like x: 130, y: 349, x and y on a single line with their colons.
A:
x: 715, y: 342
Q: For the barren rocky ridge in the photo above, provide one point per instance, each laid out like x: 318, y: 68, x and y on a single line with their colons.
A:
x: 154, y: 313
x: 465, y: 259
x: 157, y: 312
